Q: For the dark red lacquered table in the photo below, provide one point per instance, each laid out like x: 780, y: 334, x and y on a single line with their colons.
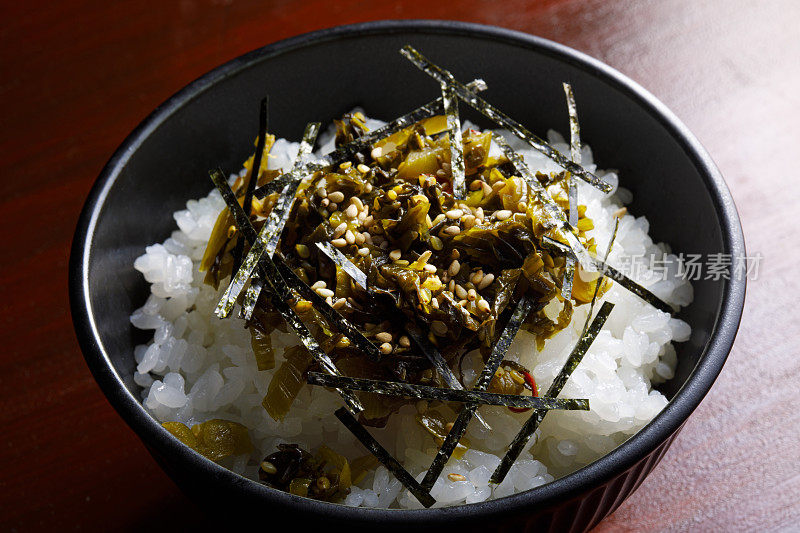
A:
x: 76, y: 77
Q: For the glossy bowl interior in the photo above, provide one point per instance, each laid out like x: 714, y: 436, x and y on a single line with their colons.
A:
x: 319, y: 76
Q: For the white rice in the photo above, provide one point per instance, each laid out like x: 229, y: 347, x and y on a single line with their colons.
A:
x: 199, y: 367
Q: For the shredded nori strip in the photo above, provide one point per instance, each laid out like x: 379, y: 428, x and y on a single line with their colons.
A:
x: 530, y: 426
x: 332, y: 315
x: 355, y: 273
x: 465, y: 415
x: 424, y: 392
x: 557, y: 216
x: 281, y: 293
x: 386, y: 459
x: 572, y: 187
x: 252, y: 178
x: 444, y: 77
x: 439, y: 364
x: 450, y: 103
x: 279, y: 215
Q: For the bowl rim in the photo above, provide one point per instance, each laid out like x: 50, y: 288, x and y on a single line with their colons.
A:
x: 597, y: 473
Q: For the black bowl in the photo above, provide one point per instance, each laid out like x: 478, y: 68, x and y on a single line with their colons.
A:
x: 320, y: 75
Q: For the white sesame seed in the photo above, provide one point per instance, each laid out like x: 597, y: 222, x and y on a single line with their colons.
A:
x: 497, y: 185
x: 325, y: 202
x: 461, y: 292
x: 336, y: 196
x: 475, y: 185
x: 386, y: 348
x: 452, y: 285
x: 340, y: 229
x: 452, y: 230
x: 487, y: 189
x: 502, y: 214
x: 376, y: 152
x: 469, y: 221
x: 345, y: 165
x: 384, y: 336
x: 322, y: 192
x: 479, y: 213
x: 483, y: 306
x: 429, y: 268
x: 349, y: 237
x: 351, y: 211
x: 339, y: 243
x: 438, y: 218
x: 332, y: 207
x: 404, y: 341
x: 363, y: 251
x: 476, y: 277
x: 472, y: 295
x: 360, y: 239
x: 454, y: 214
x: 355, y: 200
x: 338, y: 304
x: 363, y: 168
x: 486, y: 281
x: 394, y: 255
x: 319, y: 285
x: 325, y: 293
x: 454, y: 268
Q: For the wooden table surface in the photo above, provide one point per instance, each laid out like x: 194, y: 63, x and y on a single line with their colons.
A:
x: 76, y: 76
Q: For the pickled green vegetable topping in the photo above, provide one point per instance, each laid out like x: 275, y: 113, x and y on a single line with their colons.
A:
x: 391, y: 258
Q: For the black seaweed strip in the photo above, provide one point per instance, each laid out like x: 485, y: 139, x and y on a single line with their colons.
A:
x: 636, y: 289
x: 253, y: 175
x: 281, y: 293
x: 332, y: 315
x: 465, y: 415
x: 450, y: 103
x: 386, y: 459
x: 355, y: 273
x: 575, y: 155
x: 575, y: 357
x: 445, y: 77
x: 424, y: 392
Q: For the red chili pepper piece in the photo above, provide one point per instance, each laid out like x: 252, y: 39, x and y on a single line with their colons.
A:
x: 534, y: 389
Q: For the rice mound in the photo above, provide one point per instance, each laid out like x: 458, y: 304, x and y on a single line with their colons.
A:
x: 198, y: 367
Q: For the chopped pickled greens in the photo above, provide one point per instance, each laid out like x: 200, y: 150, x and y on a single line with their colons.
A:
x: 214, y: 439
x: 392, y: 257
